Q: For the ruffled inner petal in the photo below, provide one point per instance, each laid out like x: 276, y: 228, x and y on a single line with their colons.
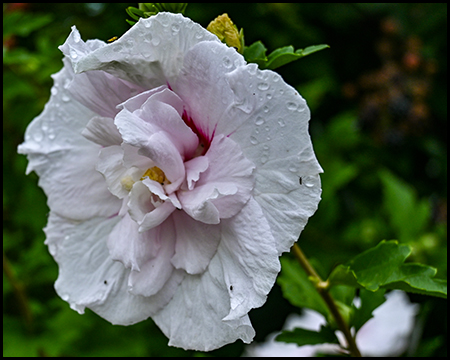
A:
x: 224, y: 187
x: 155, y: 272
x: 196, y: 243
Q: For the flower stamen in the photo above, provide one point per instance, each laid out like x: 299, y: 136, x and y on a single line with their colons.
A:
x: 156, y: 174
x: 127, y: 182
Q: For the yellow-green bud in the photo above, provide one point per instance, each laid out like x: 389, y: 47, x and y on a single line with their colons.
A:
x: 227, y: 32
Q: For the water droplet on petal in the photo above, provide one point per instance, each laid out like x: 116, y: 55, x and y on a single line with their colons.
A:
x: 67, y: 83
x: 264, y: 159
x: 76, y: 36
x: 259, y: 120
x: 253, y: 140
x: 251, y: 68
x: 281, y: 122
x: 156, y: 41
x: 293, y: 168
x: 148, y: 37
x: 175, y: 29
x: 73, y: 53
x: 65, y: 98
x: 302, y: 107
x: 129, y: 43
x: 263, y: 86
x: 227, y: 62
x: 38, y: 135
x: 291, y: 106
x: 147, y: 23
x: 54, y: 91
x: 308, y: 181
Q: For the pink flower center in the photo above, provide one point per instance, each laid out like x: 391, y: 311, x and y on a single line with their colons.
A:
x: 204, y: 141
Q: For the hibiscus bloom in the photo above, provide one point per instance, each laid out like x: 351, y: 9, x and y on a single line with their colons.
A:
x: 176, y: 175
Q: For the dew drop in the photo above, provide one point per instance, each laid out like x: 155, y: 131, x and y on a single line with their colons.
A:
x: 263, y: 86
x: 148, y: 37
x: 65, y: 297
x: 199, y: 35
x: 76, y: 37
x: 129, y: 43
x: 281, y: 122
x: 175, y: 29
x: 54, y: 91
x: 308, y: 181
x: 253, y: 140
x: 302, y: 107
x: 38, y: 135
x: 227, y: 62
x: 65, y: 98
x: 156, y: 41
x: 291, y: 106
x: 67, y: 83
x: 147, y: 23
x: 251, y: 68
x: 293, y: 169
x: 264, y: 159
x: 51, y: 135
x: 266, y: 109
x: 73, y: 53
x: 259, y: 121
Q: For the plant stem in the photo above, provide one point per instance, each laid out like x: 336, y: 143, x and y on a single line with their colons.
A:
x: 322, y: 289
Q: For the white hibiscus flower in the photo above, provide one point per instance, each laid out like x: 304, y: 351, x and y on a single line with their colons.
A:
x: 176, y: 175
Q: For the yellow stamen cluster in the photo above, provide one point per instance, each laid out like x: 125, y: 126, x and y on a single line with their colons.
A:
x: 156, y: 174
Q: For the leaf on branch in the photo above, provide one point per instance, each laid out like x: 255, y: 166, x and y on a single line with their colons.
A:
x: 256, y: 53
x: 298, y: 289
x: 383, y: 267
x: 308, y: 337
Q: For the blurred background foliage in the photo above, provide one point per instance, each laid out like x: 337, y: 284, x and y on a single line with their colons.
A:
x: 378, y: 99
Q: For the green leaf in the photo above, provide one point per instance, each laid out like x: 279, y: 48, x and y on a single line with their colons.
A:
x: 308, y: 337
x: 369, y: 302
x: 383, y: 266
x: 256, y: 53
x: 409, y: 216
x: 298, y: 288
x: 285, y: 55
x: 418, y: 278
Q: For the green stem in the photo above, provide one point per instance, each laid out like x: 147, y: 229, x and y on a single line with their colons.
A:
x: 322, y: 289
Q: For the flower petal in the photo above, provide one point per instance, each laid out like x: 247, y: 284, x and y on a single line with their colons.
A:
x: 196, y: 243
x: 274, y: 135
x: 225, y: 185
x: 139, y: 55
x: 192, y: 319
x: 102, y: 131
x: 202, y: 84
x: 156, y: 271
x: 101, y: 92
x: 157, y: 216
x: 129, y: 247
x: 249, y: 259
x: 156, y: 146
x: 89, y: 278
x: 64, y: 159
